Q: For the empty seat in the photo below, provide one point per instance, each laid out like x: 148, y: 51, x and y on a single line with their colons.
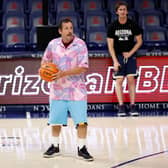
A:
x: 92, y: 5
x: 155, y: 37
x: 13, y: 5
x: 64, y: 6
x: 151, y: 19
x: 95, y: 19
x: 14, y: 19
x: 35, y: 6
x: 144, y: 5
x: 14, y: 39
x: 36, y: 19
x: 96, y: 39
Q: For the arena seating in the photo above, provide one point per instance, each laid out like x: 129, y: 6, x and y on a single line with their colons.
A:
x: 19, y: 18
x: 13, y: 5
x: 64, y: 6
x: 14, y: 39
x: 151, y: 18
x: 155, y: 37
x: 145, y: 5
x: 96, y: 39
x: 34, y: 6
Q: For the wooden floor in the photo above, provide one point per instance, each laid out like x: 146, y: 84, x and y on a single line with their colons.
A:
x: 128, y: 142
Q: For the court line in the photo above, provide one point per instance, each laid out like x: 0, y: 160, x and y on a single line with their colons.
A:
x: 139, y: 158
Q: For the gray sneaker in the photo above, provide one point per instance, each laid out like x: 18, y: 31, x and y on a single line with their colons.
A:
x: 133, y: 110
x: 121, y: 111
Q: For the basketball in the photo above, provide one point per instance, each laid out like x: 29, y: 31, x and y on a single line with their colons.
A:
x: 47, y: 70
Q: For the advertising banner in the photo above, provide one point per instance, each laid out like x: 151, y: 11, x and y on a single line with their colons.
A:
x: 21, y: 84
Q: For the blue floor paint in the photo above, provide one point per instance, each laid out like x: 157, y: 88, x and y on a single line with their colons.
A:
x: 139, y: 158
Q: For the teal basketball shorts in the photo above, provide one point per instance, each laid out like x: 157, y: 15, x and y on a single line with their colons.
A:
x: 58, y: 114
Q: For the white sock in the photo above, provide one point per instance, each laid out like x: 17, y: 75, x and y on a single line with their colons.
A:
x: 55, y: 140
x: 81, y: 142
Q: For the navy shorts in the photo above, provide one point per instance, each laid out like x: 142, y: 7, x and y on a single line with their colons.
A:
x: 128, y: 67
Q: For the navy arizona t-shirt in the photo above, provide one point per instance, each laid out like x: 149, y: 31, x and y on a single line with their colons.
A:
x: 123, y: 35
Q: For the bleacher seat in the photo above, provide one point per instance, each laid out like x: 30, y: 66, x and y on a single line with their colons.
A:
x: 34, y: 6
x: 96, y: 39
x: 14, y: 19
x: 14, y: 39
x: 14, y: 5
x: 92, y: 5
x: 36, y: 19
x: 90, y: 15
x: 95, y: 19
x: 151, y: 19
x: 64, y: 6
x: 156, y: 37
x: 144, y: 5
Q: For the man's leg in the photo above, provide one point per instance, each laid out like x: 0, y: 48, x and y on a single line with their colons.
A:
x: 78, y: 111
x: 119, y: 92
x: 57, y: 117
x: 53, y: 150
x: 56, y: 129
x: 131, y: 87
x: 82, y: 150
x: 82, y: 131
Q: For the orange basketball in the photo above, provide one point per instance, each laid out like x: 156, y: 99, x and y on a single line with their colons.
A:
x: 47, y: 70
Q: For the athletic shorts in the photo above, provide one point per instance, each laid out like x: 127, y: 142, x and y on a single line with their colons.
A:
x: 58, y: 114
x: 128, y: 67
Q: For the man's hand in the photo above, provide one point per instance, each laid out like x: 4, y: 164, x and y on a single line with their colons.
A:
x: 126, y: 54
x: 58, y: 75
x: 116, y: 66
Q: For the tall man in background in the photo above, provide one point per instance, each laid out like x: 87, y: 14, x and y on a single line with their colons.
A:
x: 120, y: 39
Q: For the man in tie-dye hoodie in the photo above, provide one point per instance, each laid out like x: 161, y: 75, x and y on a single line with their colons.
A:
x: 68, y: 90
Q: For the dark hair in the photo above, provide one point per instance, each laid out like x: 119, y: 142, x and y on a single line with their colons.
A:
x: 66, y: 20
x: 121, y: 3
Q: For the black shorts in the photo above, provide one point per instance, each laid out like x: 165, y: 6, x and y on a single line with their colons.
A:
x: 128, y: 67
